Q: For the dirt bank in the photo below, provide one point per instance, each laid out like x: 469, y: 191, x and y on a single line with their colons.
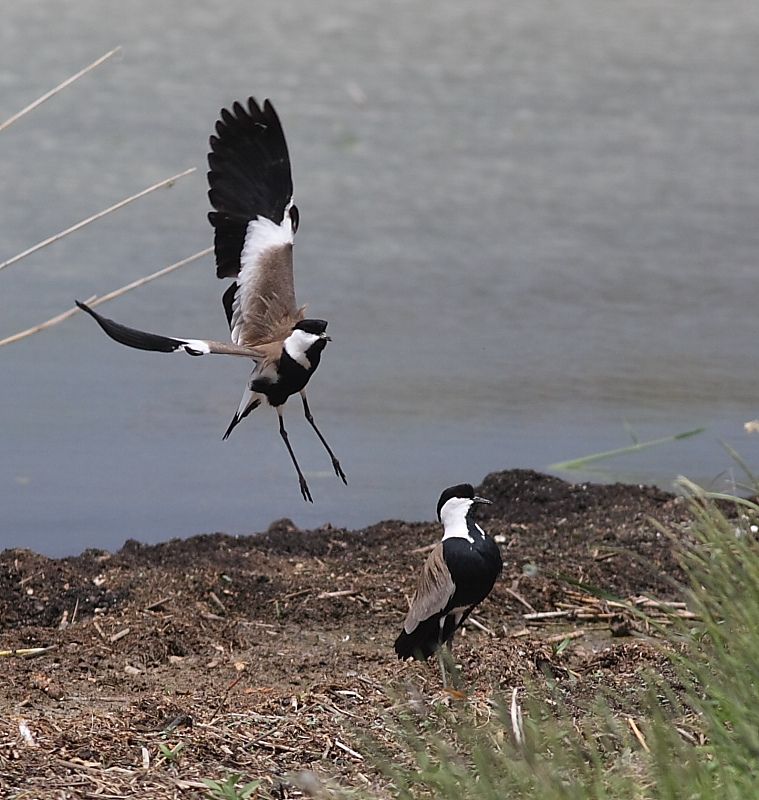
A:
x: 267, y: 654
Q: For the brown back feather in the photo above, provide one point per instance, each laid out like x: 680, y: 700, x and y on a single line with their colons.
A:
x: 267, y: 303
x: 434, y: 590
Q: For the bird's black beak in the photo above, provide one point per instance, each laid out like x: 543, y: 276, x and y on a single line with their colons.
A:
x: 325, y: 337
x: 482, y: 500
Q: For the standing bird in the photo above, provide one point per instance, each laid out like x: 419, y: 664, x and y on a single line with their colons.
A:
x: 457, y: 576
x: 254, y: 221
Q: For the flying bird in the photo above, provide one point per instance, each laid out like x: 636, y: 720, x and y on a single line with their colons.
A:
x: 457, y: 576
x: 254, y: 222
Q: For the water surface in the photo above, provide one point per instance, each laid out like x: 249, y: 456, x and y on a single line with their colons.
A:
x: 529, y: 225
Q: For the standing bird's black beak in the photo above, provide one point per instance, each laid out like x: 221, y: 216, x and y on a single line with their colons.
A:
x: 482, y: 500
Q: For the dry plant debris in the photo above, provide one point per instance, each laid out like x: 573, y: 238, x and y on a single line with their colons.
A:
x: 159, y: 666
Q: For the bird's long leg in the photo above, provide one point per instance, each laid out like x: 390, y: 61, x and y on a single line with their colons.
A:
x: 441, y: 662
x: 335, y: 463
x: 304, y: 490
x: 453, y: 667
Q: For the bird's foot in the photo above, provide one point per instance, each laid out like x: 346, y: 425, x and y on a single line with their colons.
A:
x: 304, y: 490
x: 339, y: 471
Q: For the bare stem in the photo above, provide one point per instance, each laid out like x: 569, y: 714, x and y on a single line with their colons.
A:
x: 79, y: 225
x: 40, y: 100
x: 96, y: 301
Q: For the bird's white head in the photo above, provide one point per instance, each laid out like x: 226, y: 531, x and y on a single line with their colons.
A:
x: 306, y: 342
x: 453, y: 508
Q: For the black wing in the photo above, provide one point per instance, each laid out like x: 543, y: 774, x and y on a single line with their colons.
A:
x: 249, y: 177
x: 142, y: 340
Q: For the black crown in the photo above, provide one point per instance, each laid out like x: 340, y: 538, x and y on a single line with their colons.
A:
x: 463, y: 490
x: 315, y: 326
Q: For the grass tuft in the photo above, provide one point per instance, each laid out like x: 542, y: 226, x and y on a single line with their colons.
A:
x: 694, y: 737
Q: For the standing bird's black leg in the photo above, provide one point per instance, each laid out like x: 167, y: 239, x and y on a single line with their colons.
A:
x: 441, y: 664
x: 335, y: 463
x: 304, y: 490
x: 449, y: 669
x: 445, y: 658
x: 452, y: 665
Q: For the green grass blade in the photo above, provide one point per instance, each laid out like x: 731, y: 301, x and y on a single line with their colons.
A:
x: 580, y: 463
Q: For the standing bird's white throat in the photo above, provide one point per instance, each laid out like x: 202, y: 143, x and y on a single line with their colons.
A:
x: 255, y: 222
x: 458, y: 575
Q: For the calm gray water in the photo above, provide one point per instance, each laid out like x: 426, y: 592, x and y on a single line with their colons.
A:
x: 529, y: 224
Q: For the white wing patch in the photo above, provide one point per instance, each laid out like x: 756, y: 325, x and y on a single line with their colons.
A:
x: 261, y: 236
x: 197, y: 345
x: 236, y: 323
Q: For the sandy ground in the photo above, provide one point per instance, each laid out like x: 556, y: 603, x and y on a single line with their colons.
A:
x: 271, y: 654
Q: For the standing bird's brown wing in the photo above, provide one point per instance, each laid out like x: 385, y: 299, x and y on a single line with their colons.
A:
x: 433, y: 592
x: 254, y: 221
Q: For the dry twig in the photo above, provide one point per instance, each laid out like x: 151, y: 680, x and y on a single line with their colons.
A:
x: 215, y: 600
x: 340, y: 593
x: 425, y: 549
x: 27, y: 652
x: 40, y: 100
x: 477, y: 624
x: 96, y: 301
x: 158, y: 603
x: 638, y: 734
x: 225, y: 696
x: 348, y: 750
x: 585, y: 608
x: 517, y: 725
x: 82, y: 223
x: 518, y: 597
x: 118, y: 636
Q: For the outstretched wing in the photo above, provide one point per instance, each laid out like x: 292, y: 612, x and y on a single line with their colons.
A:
x: 433, y: 592
x: 142, y: 340
x: 255, y: 221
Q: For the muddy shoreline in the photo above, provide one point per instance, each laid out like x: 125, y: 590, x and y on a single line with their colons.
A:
x: 267, y: 654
